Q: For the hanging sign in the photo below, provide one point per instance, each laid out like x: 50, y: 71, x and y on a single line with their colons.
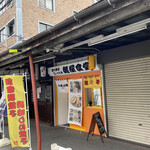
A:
x: 62, y: 86
x: 75, y: 102
x: 16, y: 109
x: 91, y: 62
x: 43, y: 71
x: 92, y: 81
x: 78, y: 67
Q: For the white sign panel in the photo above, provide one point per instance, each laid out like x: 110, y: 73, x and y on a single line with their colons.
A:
x: 62, y: 86
x: 78, y: 67
x: 75, y: 102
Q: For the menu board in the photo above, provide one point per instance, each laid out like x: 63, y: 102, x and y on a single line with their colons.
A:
x: 75, y: 102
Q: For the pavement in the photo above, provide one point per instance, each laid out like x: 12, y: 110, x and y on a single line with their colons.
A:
x: 74, y: 139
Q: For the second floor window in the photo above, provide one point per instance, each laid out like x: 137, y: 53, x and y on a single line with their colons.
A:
x: 47, y: 4
x: 11, y: 28
x: 2, y: 35
x: 43, y: 26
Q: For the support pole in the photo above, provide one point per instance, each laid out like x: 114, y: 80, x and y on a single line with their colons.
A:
x: 35, y: 103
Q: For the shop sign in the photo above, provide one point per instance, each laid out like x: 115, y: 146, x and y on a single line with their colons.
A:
x: 75, y: 102
x: 92, y: 81
x: 62, y: 86
x: 73, y: 68
x: 16, y: 108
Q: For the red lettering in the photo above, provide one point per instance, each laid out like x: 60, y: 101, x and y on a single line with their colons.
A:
x: 11, y: 97
x: 24, y: 141
x: 23, y: 134
x: 9, y: 81
x: 15, y: 142
x: 12, y: 105
x: 20, y: 104
x: 97, y: 81
x: 10, y: 89
x: 21, y: 120
x: 22, y: 127
x: 86, y: 82
x: 12, y: 113
x: 21, y: 112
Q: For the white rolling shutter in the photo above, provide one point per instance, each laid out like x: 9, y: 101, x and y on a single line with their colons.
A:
x: 128, y: 99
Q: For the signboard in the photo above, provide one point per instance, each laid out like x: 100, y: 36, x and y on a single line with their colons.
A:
x: 14, y: 51
x: 75, y: 102
x: 78, y: 67
x: 96, y: 119
x: 16, y: 109
x: 62, y: 86
x: 92, y: 81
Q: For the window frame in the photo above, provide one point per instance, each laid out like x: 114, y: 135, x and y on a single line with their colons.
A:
x: 3, y: 3
x: 3, y: 28
x: 53, y: 6
x: 41, y: 22
x: 99, y: 107
x: 9, y: 36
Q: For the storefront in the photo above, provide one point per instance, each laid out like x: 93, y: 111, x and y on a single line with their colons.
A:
x: 44, y: 85
x: 127, y: 80
x: 78, y: 93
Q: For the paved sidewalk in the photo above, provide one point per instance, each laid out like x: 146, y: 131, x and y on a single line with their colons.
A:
x: 74, y: 139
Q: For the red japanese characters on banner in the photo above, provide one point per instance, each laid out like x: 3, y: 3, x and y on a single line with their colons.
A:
x: 92, y: 81
x: 16, y: 107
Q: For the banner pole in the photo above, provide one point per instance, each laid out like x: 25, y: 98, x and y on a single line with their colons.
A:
x: 29, y: 128
x: 35, y: 103
x: 3, y: 114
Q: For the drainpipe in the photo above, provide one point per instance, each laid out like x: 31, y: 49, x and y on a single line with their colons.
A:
x: 35, y: 103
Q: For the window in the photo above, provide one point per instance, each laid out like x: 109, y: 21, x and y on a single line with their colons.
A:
x: 43, y: 26
x: 4, y: 4
x: 2, y: 35
x: 95, y: 1
x: 93, y: 97
x: 11, y: 28
x: 47, y: 4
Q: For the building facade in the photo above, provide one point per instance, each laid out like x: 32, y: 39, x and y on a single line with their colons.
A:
x: 120, y: 36
x: 21, y: 20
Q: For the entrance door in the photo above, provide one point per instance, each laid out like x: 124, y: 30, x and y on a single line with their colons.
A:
x: 45, y: 103
x: 62, y: 108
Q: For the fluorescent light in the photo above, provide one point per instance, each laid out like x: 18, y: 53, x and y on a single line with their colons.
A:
x: 133, y: 28
x: 35, y: 61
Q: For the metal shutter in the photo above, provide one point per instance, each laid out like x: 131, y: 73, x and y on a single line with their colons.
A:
x: 128, y: 99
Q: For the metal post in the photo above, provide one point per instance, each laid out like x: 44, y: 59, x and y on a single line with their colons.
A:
x: 35, y: 103
x: 28, y: 109
x: 3, y: 114
x: 104, y: 99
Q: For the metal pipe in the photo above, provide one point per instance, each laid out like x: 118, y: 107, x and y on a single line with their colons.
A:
x: 35, y: 103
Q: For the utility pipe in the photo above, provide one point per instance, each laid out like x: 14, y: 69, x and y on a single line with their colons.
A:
x: 35, y: 103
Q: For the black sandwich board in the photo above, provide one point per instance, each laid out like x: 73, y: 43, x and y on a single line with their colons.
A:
x: 96, y: 119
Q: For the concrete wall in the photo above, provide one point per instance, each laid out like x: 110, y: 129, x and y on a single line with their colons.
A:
x: 137, y: 50
x: 62, y: 10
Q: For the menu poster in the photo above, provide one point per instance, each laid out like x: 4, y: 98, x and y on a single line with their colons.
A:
x: 75, y: 102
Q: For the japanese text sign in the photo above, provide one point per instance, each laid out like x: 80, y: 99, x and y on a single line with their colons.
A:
x: 92, y: 81
x: 78, y: 67
x: 16, y: 108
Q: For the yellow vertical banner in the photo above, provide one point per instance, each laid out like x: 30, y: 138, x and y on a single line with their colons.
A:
x: 16, y: 110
